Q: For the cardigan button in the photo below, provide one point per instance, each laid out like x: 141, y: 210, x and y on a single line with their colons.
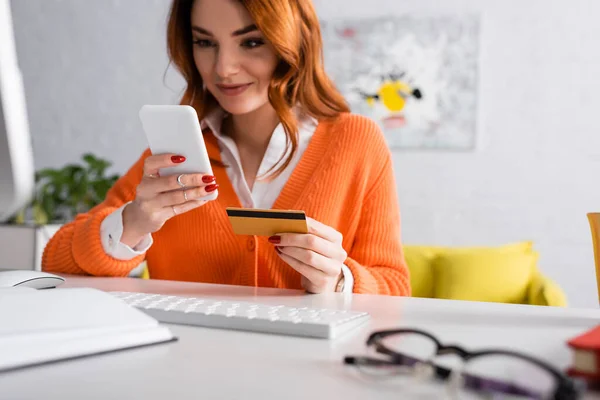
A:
x: 251, y: 244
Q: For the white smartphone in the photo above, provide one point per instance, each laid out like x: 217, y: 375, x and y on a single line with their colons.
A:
x: 176, y: 129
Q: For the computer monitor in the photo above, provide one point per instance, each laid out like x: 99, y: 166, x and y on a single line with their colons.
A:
x: 17, y: 171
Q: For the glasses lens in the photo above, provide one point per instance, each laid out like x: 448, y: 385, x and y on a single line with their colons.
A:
x: 412, y: 346
x: 407, y: 350
x: 507, y: 375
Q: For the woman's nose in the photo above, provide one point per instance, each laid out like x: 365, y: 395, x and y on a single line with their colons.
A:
x: 227, y: 63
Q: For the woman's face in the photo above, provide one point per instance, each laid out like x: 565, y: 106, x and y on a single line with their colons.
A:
x: 232, y: 56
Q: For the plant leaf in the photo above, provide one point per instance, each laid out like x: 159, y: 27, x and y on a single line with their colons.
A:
x: 39, y: 215
x: 61, y: 193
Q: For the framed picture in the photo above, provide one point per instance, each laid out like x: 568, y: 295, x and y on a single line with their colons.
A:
x: 416, y: 76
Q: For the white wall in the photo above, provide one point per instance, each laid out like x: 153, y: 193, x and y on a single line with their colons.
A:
x: 89, y: 66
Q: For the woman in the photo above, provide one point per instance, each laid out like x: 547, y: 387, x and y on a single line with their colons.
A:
x: 280, y: 136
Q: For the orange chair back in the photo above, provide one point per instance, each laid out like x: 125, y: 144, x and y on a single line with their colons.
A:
x: 594, y: 220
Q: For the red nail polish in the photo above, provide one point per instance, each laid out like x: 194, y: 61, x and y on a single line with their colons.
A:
x: 275, y: 239
x: 178, y: 159
x: 211, y: 188
x: 208, y: 178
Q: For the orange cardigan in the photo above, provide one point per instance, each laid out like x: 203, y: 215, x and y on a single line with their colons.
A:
x: 344, y: 179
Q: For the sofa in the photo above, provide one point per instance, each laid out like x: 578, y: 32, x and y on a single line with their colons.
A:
x: 505, y: 274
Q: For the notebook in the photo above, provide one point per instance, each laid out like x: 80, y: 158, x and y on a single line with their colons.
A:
x: 586, y: 354
x: 41, y: 326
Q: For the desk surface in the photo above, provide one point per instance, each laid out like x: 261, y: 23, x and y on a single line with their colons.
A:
x: 213, y: 363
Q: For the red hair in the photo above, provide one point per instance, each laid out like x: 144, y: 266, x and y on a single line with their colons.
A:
x: 300, y: 77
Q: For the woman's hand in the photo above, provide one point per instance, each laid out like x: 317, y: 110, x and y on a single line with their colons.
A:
x: 161, y: 198
x: 318, y: 255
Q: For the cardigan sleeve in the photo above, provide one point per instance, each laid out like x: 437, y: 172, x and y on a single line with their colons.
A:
x: 77, y: 247
x: 376, y: 259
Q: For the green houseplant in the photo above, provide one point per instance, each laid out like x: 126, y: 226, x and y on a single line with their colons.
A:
x: 60, y: 194
x: 63, y: 193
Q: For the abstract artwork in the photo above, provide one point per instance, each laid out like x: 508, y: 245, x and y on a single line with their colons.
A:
x: 416, y: 76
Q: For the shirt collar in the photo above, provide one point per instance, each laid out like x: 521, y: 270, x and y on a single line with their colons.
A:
x: 277, y: 145
x: 213, y: 121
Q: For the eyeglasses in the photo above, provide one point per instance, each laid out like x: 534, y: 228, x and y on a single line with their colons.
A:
x: 418, y: 357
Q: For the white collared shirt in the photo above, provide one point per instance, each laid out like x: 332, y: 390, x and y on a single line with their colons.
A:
x: 262, y: 195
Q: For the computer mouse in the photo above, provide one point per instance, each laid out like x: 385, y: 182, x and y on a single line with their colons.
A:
x: 32, y: 279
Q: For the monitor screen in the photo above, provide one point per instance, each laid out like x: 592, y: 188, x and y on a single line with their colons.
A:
x: 17, y: 172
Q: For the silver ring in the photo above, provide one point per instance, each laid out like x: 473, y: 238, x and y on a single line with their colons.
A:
x: 185, y: 195
x: 179, y: 181
x: 173, y: 208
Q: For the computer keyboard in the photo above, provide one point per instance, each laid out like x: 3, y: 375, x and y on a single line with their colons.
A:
x: 247, y: 316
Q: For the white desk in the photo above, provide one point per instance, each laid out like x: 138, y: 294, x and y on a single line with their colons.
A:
x: 220, y: 364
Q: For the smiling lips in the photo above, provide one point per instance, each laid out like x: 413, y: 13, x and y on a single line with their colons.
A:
x: 233, y: 90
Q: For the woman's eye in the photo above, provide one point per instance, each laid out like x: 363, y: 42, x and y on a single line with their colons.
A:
x: 203, y: 43
x: 253, y: 43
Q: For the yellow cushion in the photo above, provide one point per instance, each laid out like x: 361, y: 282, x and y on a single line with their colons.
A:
x: 496, y: 274
x: 507, y: 274
x: 544, y: 291
x: 145, y: 273
x: 420, y: 264
x: 420, y: 258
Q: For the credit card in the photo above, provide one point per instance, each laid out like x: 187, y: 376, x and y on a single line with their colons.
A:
x: 254, y: 221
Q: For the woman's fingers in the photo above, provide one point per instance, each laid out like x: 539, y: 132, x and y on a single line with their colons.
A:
x: 311, y: 242
x: 182, y: 196
x: 314, y: 275
x: 316, y: 261
x: 171, y: 211
x: 313, y: 280
x: 155, y: 162
x: 323, y: 231
x: 152, y: 186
